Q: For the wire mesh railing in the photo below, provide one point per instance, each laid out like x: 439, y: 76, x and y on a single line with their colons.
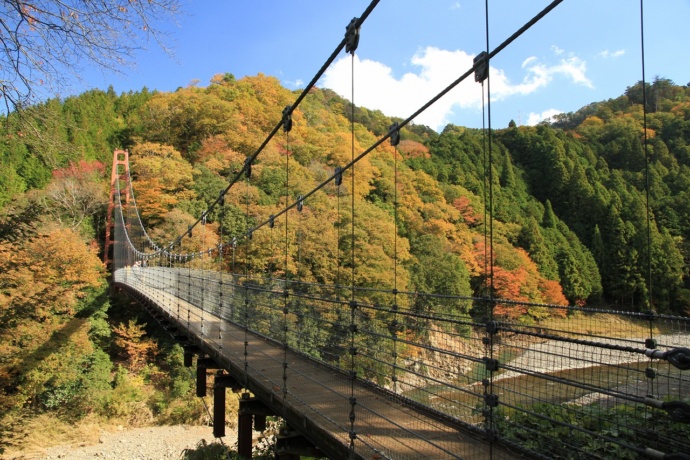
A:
x: 584, y: 384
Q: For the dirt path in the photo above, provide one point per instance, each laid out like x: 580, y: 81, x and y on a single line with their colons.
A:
x: 151, y: 443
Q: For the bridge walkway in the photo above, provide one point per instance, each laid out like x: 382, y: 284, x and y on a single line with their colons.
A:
x: 318, y: 397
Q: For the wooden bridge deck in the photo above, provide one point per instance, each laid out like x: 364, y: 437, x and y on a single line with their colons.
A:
x: 318, y: 397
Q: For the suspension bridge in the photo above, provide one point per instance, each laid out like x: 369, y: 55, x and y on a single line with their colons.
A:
x: 374, y: 373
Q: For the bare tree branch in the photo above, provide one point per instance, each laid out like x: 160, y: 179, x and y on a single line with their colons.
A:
x: 45, y: 43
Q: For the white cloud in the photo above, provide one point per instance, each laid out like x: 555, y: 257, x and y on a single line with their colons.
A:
x: 611, y: 54
x: 528, y: 61
x: 299, y: 83
x: 535, y: 118
x: 377, y: 88
x: 556, y: 50
x: 455, y: 6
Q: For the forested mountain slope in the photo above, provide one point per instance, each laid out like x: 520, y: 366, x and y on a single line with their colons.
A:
x: 569, y: 205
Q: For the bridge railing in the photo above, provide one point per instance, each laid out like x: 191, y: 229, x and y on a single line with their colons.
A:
x: 579, y: 383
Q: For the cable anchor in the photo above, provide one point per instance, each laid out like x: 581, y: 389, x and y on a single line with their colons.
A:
x: 352, y: 36
x: 679, y: 411
x: 678, y: 357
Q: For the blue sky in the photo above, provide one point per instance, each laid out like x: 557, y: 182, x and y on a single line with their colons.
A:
x: 584, y: 51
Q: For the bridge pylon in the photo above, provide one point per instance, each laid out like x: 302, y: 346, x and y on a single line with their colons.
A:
x: 120, y: 172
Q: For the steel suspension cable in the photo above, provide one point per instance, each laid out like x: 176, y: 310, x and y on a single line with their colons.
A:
x: 356, y: 23
x: 353, y: 302
x: 646, y: 156
x: 221, y: 299
x: 423, y: 108
x: 650, y: 342
x: 394, y: 141
x: 484, y: 74
x: 246, y: 280
x: 286, y: 302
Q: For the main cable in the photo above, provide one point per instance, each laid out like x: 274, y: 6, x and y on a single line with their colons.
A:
x: 409, y: 119
x: 357, y: 23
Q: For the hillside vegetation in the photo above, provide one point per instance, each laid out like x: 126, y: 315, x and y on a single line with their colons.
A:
x: 569, y: 223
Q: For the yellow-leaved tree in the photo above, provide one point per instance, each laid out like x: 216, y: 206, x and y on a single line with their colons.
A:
x: 45, y: 281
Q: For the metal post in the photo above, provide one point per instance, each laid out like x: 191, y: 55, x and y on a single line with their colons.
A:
x: 244, y: 432
x: 219, y: 410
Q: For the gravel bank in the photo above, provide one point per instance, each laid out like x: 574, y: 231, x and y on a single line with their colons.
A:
x: 554, y: 356
x: 152, y: 443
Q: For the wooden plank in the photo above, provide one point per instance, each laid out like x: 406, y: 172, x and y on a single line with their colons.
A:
x: 385, y: 428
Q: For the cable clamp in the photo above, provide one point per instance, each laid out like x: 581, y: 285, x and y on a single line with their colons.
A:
x: 338, y: 176
x: 287, y: 118
x: 394, y: 131
x: 248, y: 167
x: 352, y: 36
x: 300, y: 203
x: 491, y: 399
x: 271, y: 221
x: 492, y: 327
x: 491, y: 364
x: 481, y: 67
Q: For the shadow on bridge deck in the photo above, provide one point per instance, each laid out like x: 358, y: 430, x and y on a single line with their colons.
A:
x: 317, y: 402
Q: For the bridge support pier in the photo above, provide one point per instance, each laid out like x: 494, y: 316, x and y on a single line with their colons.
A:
x: 202, y: 364
x: 251, y: 409
x: 189, y: 352
x: 222, y: 381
